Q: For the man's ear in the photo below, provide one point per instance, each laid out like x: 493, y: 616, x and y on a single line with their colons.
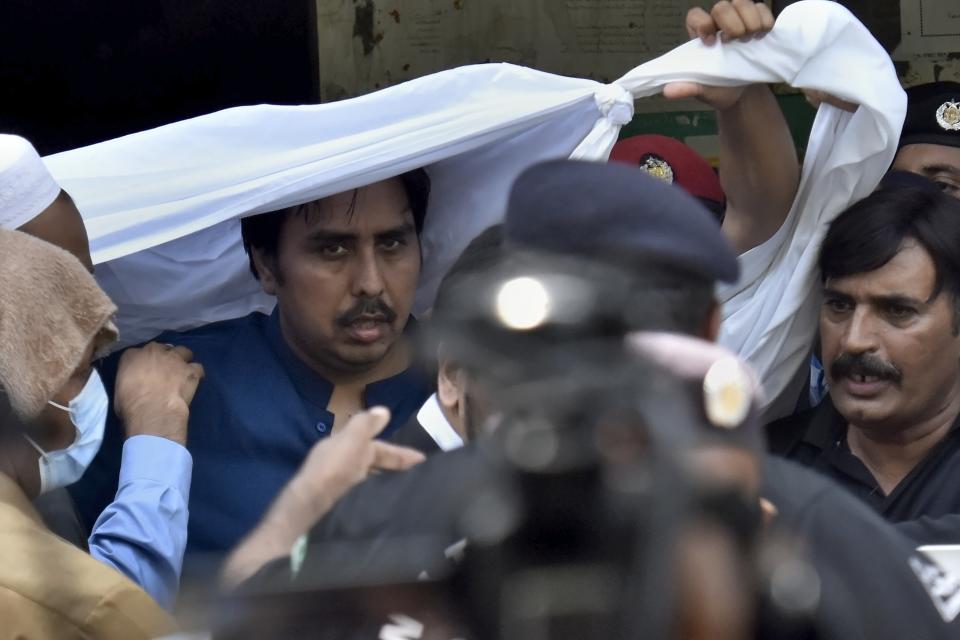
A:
x: 449, y: 385
x: 266, y: 271
x: 711, y: 324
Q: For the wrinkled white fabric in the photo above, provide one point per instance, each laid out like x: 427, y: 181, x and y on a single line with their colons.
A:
x: 770, y: 316
x: 163, y: 206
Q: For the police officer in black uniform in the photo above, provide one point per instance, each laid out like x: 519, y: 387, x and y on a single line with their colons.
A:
x: 888, y: 432
x: 930, y: 142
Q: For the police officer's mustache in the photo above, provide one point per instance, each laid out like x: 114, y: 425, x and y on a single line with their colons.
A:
x: 864, y: 365
x: 367, y: 309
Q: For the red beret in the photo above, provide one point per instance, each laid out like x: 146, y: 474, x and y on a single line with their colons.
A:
x: 671, y: 161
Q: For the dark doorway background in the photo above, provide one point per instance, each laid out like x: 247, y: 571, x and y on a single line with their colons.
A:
x: 75, y: 72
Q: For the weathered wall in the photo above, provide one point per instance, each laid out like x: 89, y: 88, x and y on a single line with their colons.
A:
x: 930, y: 45
x: 368, y: 44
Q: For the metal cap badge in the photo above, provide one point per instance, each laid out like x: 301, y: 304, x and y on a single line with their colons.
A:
x: 657, y: 167
x: 948, y: 116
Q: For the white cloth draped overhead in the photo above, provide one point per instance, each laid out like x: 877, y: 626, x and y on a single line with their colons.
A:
x: 162, y: 207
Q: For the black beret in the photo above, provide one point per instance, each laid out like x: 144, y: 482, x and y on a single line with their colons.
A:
x: 616, y: 211
x: 933, y: 115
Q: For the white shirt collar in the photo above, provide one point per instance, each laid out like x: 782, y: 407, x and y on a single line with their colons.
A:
x: 437, y: 426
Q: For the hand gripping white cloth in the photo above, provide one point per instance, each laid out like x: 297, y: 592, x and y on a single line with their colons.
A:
x: 162, y: 207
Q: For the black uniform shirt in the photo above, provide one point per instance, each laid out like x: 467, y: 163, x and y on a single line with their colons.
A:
x: 874, y: 584
x: 818, y: 439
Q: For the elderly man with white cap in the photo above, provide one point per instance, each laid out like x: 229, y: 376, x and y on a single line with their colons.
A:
x: 144, y: 535
x: 53, y: 408
x: 32, y: 201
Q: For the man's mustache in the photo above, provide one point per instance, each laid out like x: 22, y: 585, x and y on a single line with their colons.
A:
x: 864, y: 364
x: 367, y: 309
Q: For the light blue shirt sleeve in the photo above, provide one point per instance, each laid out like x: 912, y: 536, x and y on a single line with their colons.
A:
x: 143, y: 532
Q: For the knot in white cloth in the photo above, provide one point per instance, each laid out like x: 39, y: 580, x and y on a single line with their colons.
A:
x: 615, y: 103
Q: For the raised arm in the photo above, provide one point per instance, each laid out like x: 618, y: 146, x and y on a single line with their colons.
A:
x: 143, y: 532
x: 332, y: 467
x: 759, y: 168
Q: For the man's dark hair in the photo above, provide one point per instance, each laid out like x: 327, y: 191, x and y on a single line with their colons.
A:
x: 482, y: 255
x: 262, y: 231
x: 662, y: 298
x: 718, y: 209
x: 870, y: 233
x: 667, y: 299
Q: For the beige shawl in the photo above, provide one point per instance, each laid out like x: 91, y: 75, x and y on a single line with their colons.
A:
x: 51, y: 309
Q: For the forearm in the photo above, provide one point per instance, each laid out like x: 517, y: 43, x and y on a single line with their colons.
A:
x: 289, y: 517
x: 332, y: 467
x: 759, y: 168
x: 143, y: 532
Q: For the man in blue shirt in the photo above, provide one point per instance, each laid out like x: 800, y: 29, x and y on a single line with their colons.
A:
x: 344, y: 270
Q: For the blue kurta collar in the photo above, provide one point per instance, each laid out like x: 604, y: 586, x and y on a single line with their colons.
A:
x: 315, y: 389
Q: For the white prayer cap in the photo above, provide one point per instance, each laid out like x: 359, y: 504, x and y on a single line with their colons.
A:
x: 26, y: 186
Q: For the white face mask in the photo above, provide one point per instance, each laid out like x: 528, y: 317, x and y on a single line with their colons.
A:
x: 88, y: 413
